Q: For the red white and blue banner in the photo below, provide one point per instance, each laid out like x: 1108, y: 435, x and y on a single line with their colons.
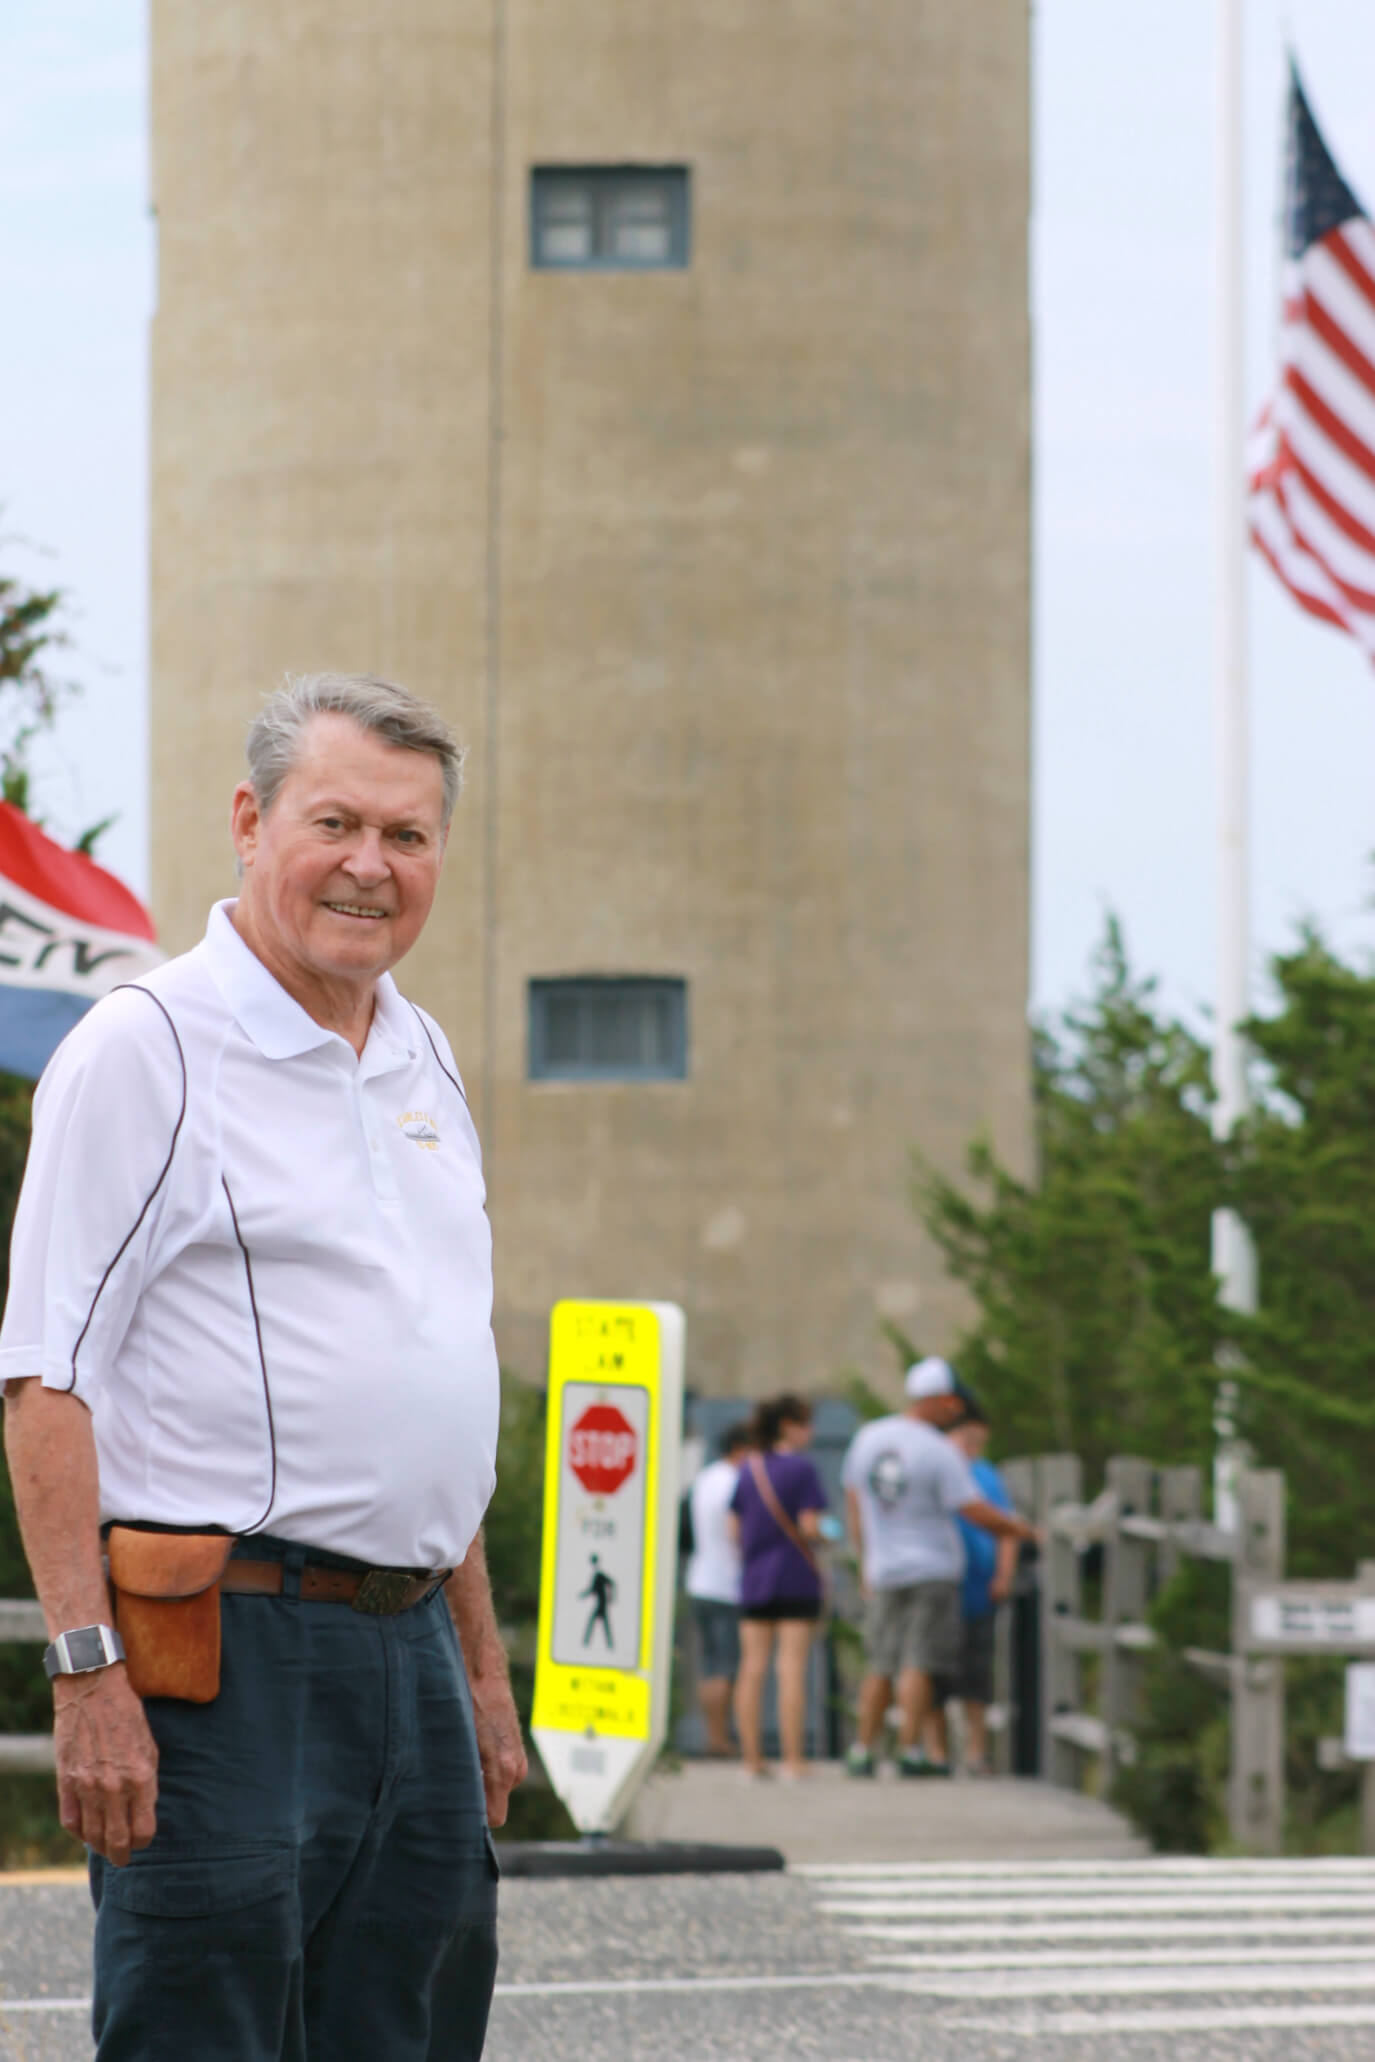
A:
x: 69, y: 933
x: 1312, y: 455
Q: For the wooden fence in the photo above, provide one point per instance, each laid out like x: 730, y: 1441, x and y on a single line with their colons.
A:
x: 24, y: 1753
x: 1144, y: 1521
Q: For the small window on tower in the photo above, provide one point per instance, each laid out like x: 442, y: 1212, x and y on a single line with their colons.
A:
x: 590, y: 1029
x: 609, y: 218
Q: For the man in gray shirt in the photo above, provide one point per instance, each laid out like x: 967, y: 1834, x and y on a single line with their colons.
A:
x: 905, y: 1484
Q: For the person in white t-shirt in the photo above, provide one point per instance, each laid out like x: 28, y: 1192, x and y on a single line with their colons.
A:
x: 713, y: 1584
x: 905, y: 1485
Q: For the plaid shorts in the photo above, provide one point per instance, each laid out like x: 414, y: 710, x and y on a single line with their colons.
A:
x: 917, y: 1625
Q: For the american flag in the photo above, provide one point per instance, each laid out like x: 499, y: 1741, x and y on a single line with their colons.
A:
x: 69, y: 933
x: 1311, y: 460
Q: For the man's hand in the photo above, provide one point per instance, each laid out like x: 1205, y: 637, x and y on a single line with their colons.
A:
x: 499, y: 1743
x: 107, y: 1760
x: 107, y: 1763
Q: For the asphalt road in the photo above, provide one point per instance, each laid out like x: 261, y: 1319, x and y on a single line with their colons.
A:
x: 1048, y: 1962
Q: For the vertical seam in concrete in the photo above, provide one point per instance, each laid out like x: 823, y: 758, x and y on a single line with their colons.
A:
x: 495, y: 283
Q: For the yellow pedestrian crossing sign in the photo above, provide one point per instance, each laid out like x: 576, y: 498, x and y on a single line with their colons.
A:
x: 609, y: 1561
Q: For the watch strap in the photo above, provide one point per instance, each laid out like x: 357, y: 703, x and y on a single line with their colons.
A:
x: 82, y: 1650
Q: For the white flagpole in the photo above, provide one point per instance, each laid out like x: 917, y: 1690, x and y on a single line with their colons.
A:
x: 1233, y: 1254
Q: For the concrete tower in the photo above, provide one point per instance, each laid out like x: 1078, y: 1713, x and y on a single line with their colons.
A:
x: 648, y: 386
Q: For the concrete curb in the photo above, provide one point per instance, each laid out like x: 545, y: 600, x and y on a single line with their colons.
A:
x: 553, y: 1858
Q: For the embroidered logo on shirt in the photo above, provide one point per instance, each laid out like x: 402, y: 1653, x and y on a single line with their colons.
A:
x: 419, y: 1125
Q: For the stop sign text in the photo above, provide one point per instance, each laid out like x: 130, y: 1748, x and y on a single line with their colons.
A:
x: 601, y: 1449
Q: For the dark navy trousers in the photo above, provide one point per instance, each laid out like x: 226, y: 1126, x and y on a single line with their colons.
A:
x: 322, y: 1887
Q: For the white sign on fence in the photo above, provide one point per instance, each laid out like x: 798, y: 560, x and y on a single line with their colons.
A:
x: 1313, y: 1619
x: 1359, y: 1739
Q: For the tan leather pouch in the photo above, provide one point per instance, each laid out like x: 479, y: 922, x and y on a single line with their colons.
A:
x: 166, y: 1590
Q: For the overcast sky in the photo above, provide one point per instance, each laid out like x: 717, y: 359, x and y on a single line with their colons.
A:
x: 1121, y: 244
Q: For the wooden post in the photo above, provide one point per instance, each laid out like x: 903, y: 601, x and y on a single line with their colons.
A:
x: 1181, y: 1503
x: 1126, y: 1593
x: 1020, y: 1478
x: 1255, y: 1799
x: 1059, y: 1480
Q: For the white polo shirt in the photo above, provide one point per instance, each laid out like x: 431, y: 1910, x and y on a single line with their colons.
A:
x: 264, y: 1263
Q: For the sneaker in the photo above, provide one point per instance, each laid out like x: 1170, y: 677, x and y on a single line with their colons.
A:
x: 858, y: 1760
x: 915, y: 1763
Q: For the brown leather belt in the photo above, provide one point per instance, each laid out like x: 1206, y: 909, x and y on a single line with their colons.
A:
x: 379, y: 1592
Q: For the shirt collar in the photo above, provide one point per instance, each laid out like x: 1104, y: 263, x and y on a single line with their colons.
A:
x: 276, y: 1022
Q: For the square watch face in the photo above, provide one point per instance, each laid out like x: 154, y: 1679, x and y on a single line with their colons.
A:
x: 85, y: 1648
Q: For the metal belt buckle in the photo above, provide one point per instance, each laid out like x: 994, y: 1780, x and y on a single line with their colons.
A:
x: 383, y: 1592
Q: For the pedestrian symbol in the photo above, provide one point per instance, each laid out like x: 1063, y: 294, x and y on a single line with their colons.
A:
x: 602, y: 1588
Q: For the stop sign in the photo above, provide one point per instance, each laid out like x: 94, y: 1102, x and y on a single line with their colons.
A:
x: 601, y: 1449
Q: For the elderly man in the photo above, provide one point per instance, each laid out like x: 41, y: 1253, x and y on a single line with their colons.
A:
x: 248, y: 1340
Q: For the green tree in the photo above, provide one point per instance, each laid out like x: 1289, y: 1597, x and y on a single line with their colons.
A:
x: 1096, y: 1324
x: 1096, y: 1321
x: 30, y: 695
x: 1306, y: 1183
x: 30, y: 692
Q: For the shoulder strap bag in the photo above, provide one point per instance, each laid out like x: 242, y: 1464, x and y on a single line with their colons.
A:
x: 768, y: 1496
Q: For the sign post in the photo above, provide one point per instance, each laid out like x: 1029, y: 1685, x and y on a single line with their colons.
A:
x: 609, y: 1562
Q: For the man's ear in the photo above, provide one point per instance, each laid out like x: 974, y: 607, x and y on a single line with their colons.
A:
x: 245, y: 822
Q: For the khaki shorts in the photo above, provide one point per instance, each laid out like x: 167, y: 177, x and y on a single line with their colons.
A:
x: 915, y: 1626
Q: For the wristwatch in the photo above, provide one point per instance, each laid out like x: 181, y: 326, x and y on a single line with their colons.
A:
x: 81, y: 1652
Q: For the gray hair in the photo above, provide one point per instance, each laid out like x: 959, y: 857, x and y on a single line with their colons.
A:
x: 379, y: 706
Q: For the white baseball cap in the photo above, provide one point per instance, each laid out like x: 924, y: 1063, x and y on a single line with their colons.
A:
x: 930, y: 1377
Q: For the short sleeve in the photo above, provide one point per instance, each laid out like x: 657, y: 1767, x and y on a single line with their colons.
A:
x: 993, y: 1486
x: 698, y: 1497
x: 958, y: 1486
x: 106, y: 1116
x: 811, y: 1493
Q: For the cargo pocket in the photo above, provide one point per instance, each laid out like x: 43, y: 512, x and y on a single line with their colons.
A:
x: 172, y: 1884
x: 197, y: 1954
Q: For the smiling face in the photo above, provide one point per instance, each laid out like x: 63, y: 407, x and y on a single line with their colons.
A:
x: 340, y: 873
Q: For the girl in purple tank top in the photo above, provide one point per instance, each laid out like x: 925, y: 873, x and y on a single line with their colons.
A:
x: 777, y: 1504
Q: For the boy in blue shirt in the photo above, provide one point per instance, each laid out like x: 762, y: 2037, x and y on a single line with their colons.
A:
x: 989, y: 1569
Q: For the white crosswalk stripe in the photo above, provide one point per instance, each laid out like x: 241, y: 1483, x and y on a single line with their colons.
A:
x: 1170, y: 1946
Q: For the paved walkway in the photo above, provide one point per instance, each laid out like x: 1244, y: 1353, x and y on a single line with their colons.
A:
x: 1166, y: 1960
x: 832, y: 1817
